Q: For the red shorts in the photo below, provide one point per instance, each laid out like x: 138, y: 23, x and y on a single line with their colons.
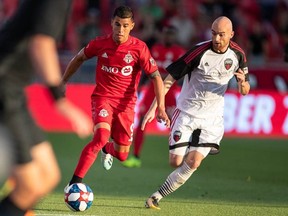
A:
x: 121, y: 122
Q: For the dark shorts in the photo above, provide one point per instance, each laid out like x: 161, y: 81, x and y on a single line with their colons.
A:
x: 16, y: 73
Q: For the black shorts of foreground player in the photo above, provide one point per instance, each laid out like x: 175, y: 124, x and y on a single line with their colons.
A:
x: 197, y: 123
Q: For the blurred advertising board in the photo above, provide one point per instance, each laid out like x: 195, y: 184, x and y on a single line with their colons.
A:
x: 261, y: 113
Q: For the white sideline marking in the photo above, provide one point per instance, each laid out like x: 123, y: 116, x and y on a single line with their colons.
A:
x: 59, y: 215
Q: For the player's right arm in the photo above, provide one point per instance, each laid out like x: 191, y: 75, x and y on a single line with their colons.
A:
x: 150, y: 115
x: 74, y: 65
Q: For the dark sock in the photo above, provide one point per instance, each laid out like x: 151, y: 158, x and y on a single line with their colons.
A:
x: 75, y: 179
x: 8, y: 208
x: 104, y: 150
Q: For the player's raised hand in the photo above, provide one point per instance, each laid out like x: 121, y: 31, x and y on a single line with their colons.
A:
x: 81, y: 122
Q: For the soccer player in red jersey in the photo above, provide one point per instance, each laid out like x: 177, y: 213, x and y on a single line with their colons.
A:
x: 164, y: 52
x: 120, y: 60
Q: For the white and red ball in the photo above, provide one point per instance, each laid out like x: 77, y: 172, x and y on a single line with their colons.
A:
x: 78, y: 197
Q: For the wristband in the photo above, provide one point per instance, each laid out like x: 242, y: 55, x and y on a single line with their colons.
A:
x: 57, y: 92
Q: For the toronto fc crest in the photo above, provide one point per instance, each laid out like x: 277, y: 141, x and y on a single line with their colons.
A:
x: 128, y: 58
x: 228, y: 63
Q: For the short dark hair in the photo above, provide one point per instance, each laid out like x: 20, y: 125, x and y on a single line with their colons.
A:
x: 123, y: 12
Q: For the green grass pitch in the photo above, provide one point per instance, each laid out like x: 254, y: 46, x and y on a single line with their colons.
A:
x: 249, y: 177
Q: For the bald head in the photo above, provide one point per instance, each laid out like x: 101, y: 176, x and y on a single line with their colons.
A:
x: 222, y: 32
x: 223, y: 23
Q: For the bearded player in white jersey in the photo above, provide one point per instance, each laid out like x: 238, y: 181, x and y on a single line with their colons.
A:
x: 197, y: 125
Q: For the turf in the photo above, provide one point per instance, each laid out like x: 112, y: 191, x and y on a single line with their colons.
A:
x: 249, y: 177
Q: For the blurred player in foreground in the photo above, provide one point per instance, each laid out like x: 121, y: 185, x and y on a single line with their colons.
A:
x: 28, y: 45
x: 6, y: 154
x: 120, y: 60
x: 197, y: 125
x: 165, y: 52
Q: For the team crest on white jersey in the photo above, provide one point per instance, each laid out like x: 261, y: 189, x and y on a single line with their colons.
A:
x: 228, y: 63
x: 128, y: 58
x: 103, y: 113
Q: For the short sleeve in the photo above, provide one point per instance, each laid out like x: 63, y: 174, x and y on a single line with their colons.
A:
x: 147, y: 62
x: 91, y: 49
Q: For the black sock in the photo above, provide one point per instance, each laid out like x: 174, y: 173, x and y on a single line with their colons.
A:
x: 75, y: 179
x: 8, y: 208
x: 104, y: 150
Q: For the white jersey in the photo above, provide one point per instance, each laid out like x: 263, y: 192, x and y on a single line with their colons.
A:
x: 206, y: 76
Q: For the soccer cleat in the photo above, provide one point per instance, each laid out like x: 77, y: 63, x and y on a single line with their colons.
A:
x: 132, y: 162
x: 152, y: 202
x: 107, y: 160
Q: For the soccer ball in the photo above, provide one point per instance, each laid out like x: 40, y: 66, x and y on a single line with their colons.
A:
x: 78, y: 197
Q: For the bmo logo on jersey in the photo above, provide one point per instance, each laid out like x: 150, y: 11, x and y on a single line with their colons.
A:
x: 125, y: 71
x: 110, y: 69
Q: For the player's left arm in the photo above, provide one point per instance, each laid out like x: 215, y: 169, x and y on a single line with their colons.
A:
x: 160, y: 97
x: 243, y: 83
x: 168, y: 82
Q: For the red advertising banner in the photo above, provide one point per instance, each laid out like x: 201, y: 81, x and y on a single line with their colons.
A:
x: 260, y: 113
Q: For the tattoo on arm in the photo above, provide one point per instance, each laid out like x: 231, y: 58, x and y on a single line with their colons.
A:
x: 153, y: 75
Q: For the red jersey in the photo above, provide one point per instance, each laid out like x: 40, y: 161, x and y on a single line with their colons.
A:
x: 119, y: 68
x: 164, y: 56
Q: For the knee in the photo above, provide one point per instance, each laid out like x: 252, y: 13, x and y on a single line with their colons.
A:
x: 100, y: 138
x: 193, y: 164
x: 175, y: 160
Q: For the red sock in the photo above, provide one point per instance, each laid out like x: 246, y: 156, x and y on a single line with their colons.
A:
x: 109, y: 148
x: 90, y: 151
x: 138, y: 141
